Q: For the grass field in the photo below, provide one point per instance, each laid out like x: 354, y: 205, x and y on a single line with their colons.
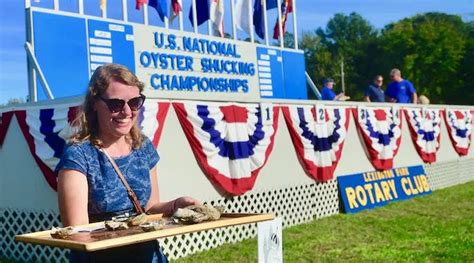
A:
x: 439, y: 227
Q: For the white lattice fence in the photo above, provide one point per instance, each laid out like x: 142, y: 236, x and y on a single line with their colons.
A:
x: 446, y: 174
x: 14, y: 222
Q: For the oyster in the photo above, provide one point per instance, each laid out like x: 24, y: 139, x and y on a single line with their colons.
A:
x: 137, y: 220
x: 114, y: 225
x: 152, y: 226
x: 198, y: 213
x: 62, y: 233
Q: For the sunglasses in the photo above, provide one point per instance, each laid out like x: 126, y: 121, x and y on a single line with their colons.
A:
x: 116, y: 105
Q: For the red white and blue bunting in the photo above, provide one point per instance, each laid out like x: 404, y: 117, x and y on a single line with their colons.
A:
x: 152, y: 119
x: 380, y: 129
x: 318, y: 135
x: 459, y: 124
x: 425, y: 130
x: 231, y: 142
x: 5, y: 119
x: 46, y: 132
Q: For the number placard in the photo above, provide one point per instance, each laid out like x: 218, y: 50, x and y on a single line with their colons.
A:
x: 267, y: 113
x: 320, y: 113
x: 395, y: 114
x: 362, y: 112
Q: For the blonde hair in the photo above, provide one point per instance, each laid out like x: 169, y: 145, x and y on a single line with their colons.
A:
x: 87, y: 121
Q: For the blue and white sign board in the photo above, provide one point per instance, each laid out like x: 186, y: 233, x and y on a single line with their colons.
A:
x: 171, y: 63
x: 378, y: 188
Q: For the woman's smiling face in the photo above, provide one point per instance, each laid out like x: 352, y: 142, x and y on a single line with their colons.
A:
x: 116, y: 125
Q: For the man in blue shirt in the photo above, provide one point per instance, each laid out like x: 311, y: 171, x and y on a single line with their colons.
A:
x: 327, y: 93
x: 374, y: 92
x: 400, y: 90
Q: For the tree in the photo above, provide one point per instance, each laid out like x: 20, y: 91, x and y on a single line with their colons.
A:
x: 429, y: 50
x: 346, y: 38
x: 464, y: 94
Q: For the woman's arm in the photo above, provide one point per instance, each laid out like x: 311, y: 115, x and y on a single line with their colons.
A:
x: 72, y: 197
x: 154, y: 206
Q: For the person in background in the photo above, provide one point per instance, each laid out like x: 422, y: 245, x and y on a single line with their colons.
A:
x: 400, y: 90
x: 374, y: 92
x: 89, y: 188
x: 327, y: 92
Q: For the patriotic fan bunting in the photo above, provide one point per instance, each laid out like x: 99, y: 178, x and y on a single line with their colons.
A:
x: 152, y: 118
x: 230, y: 141
x: 425, y: 127
x: 46, y: 132
x: 318, y: 136
x: 459, y: 123
x: 5, y: 119
x: 380, y: 129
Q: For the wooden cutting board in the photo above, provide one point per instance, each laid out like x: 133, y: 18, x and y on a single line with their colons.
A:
x: 94, y: 237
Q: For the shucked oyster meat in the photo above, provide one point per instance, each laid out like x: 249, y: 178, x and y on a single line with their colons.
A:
x: 198, y: 213
x: 62, y: 233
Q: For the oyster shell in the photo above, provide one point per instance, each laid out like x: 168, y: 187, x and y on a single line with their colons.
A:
x: 61, y: 233
x: 197, y: 213
x: 113, y: 225
x: 152, y: 226
x: 137, y: 220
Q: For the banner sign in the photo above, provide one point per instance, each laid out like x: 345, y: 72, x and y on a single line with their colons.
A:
x: 171, y: 63
x: 378, y: 188
x: 180, y: 63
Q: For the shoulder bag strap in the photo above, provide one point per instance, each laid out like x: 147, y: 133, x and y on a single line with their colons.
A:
x: 131, y: 193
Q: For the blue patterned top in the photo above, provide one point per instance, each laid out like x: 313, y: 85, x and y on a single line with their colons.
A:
x: 108, y: 196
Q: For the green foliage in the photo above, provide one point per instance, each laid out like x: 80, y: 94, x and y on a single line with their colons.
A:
x: 435, y: 228
x: 345, y: 38
x: 428, y: 49
x: 434, y: 50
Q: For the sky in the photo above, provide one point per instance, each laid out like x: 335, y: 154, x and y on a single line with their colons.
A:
x: 311, y: 14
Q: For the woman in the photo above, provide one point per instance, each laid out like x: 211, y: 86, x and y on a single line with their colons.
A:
x: 89, y: 188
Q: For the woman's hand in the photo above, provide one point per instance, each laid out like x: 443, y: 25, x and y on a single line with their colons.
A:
x: 180, y: 202
x: 183, y: 202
